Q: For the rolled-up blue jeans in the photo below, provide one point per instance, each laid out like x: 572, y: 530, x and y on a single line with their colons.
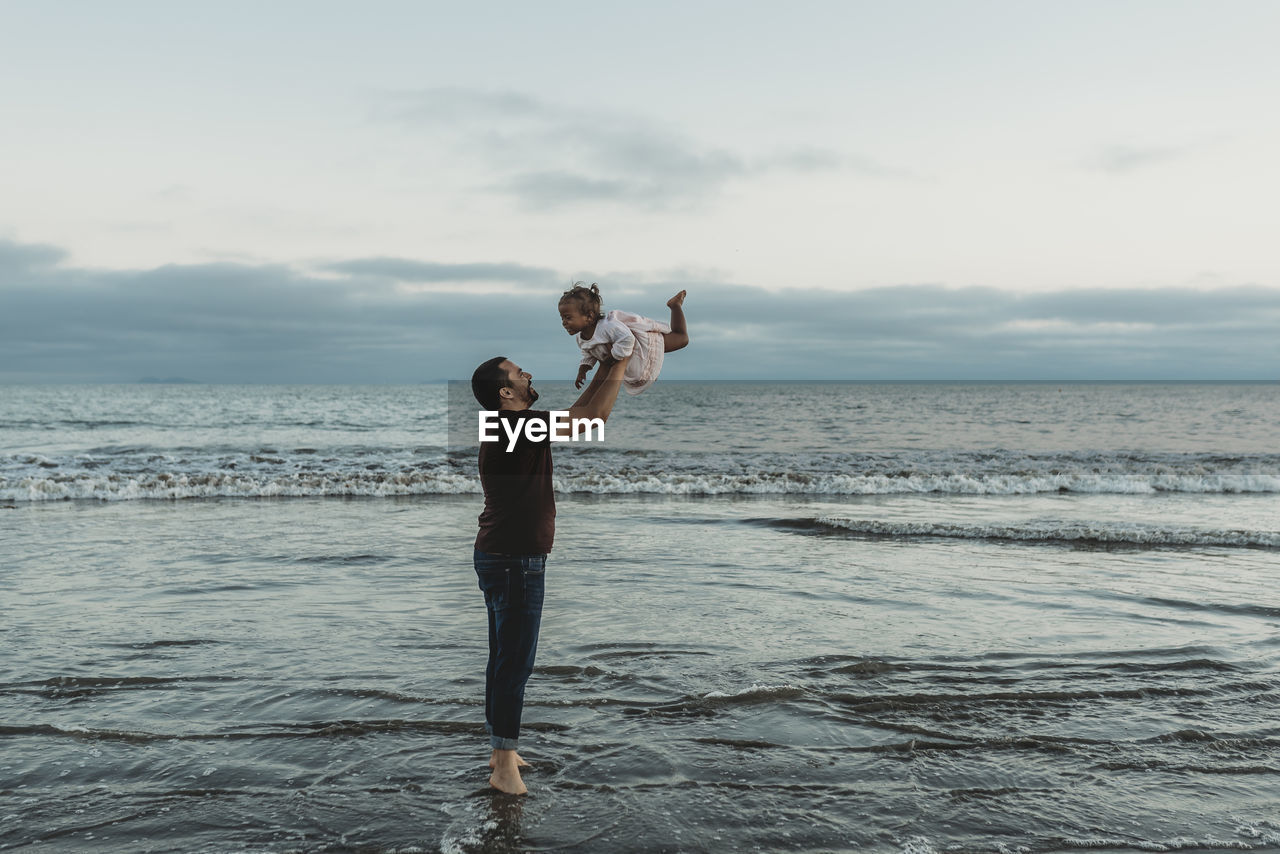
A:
x: 513, y: 589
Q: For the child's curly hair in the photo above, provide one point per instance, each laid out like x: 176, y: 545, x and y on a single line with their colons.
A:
x: 587, y: 299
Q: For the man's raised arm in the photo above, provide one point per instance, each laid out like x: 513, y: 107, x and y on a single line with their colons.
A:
x: 598, y: 398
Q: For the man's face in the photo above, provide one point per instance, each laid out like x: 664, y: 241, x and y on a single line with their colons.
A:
x: 521, y: 384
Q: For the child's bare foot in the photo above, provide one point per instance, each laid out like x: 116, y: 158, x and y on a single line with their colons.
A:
x: 678, y: 337
x: 493, y: 760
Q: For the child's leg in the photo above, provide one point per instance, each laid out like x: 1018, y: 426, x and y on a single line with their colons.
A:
x: 678, y: 337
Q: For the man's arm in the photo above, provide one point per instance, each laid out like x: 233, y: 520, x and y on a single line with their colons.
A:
x: 598, y: 398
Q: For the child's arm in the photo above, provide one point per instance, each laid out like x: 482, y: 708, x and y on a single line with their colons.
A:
x: 583, y: 367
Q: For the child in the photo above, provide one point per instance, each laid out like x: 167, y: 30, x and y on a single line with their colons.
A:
x: 619, y: 334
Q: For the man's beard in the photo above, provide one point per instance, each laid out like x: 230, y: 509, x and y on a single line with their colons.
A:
x: 533, y: 395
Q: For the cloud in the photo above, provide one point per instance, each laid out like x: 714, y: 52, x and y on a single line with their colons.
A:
x: 406, y: 270
x: 548, y: 156
x: 355, y: 322
x: 1123, y: 159
x: 25, y: 256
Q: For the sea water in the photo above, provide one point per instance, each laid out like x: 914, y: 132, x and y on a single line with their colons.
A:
x: 780, y: 617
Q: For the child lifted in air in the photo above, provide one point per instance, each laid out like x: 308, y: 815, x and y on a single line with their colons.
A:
x: 619, y: 334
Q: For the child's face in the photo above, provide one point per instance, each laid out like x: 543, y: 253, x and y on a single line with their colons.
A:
x: 572, y: 318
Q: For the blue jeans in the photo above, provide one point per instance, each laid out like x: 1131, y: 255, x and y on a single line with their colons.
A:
x: 513, y: 589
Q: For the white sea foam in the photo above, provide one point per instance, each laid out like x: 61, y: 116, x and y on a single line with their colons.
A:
x: 947, y: 484
x: 918, y: 845
x: 120, y: 488
x: 123, y: 487
x: 1265, y: 832
x: 1063, y: 531
x: 139, y: 472
x: 756, y: 691
x: 1180, y: 843
x: 468, y: 831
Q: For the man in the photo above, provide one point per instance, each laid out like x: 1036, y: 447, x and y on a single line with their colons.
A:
x: 517, y: 527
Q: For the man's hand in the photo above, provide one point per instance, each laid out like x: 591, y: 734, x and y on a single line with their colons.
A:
x: 598, y: 399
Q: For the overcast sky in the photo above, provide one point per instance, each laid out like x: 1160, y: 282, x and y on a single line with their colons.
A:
x: 391, y: 192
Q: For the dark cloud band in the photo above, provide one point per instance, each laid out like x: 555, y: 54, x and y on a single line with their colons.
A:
x: 352, y: 322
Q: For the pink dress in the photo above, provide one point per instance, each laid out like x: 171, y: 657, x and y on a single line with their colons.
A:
x: 619, y: 334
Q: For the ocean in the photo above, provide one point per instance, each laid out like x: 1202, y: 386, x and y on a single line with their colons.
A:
x: 807, y: 617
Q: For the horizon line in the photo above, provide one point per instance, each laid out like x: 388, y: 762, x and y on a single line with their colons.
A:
x: 934, y: 381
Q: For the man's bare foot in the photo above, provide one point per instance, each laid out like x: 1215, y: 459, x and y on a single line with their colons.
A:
x: 493, y: 760
x: 506, y: 774
x: 508, y: 783
x: 677, y: 300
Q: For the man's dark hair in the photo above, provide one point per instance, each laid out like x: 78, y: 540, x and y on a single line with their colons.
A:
x: 487, y: 380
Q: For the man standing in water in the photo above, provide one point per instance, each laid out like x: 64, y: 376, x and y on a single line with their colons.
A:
x: 516, y: 530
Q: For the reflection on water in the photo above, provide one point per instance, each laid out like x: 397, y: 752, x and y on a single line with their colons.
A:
x: 308, y: 676
x: 491, y: 824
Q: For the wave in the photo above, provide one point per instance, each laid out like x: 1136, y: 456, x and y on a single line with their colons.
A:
x: 1047, y: 531
x: 139, y: 472
x: 230, y: 485
x: 165, y: 486
x: 317, y: 729
x: 69, y: 687
x: 755, y: 693
x: 1175, y: 844
x: 946, y: 484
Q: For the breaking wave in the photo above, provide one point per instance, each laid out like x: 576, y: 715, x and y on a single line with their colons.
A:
x: 1046, y: 531
x: 122, y: 474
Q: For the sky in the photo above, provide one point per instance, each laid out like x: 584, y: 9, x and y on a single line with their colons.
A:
x: 396, y: 191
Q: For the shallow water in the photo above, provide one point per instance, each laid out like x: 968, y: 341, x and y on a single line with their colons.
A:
x: 308, y: 675
x: 1003, y: 644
